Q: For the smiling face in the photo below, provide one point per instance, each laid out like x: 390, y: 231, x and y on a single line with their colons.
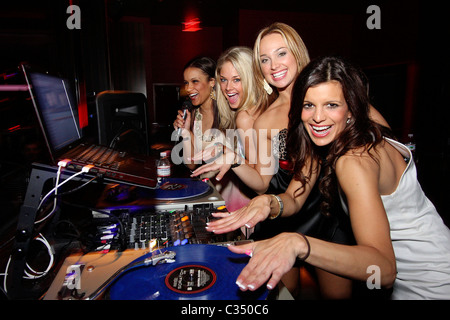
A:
x: 231, y: 85
x: 325, y: 112
x: 278, y: 64
x: 198, y: 85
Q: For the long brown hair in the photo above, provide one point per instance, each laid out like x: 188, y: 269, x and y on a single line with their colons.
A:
x: 361, y: 131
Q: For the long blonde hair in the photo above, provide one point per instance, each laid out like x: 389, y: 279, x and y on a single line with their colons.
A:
x: 294, y: 43
x: 241, y: 59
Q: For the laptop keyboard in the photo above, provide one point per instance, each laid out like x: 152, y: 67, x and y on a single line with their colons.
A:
x: 99, y: 156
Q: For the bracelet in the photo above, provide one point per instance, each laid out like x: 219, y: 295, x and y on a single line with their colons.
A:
x: 281, y: 207
x: 309, y: 248
x: 235, y: 164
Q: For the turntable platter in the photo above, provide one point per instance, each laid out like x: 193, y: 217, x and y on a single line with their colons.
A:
x: 200, y: 272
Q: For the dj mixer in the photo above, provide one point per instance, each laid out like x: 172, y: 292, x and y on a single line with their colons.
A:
x: 148, y: 229
x: 173, y: 214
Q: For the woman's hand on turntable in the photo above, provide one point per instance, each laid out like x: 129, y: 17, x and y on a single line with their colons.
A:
x: 217, y: 157
x: 270, y: 260
x: 256, y: 210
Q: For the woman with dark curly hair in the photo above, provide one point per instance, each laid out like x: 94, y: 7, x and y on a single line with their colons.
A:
x: 401, y: 241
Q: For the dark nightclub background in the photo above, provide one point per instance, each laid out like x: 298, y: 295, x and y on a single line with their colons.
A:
x: 142, y: 46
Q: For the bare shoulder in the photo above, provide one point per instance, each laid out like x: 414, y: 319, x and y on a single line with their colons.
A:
x: 357, y: 164
x: 359, y: 156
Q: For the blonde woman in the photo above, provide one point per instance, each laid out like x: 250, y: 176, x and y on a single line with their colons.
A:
x: 283, y: 50
x: 241, y: 94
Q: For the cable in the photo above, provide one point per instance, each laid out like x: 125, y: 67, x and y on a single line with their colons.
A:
x: 39, y: 274
x: 114, y: 139
x: 5, y: 275
x: 85, y: 169
x: 63, y: 193
x: 55, y: 200
x: 110, y: 215
x: 79, y: 187
x: 61, y: 164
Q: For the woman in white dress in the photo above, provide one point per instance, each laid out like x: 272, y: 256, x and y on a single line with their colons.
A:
x: 401, y: 241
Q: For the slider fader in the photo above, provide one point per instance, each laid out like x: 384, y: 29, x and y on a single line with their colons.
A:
x: 144, y: 229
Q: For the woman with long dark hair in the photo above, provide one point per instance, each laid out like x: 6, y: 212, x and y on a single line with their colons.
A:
x: 401, y: 241
x: 205, y: 125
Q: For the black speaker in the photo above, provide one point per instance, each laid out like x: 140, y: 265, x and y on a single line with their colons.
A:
x: 122, y: 121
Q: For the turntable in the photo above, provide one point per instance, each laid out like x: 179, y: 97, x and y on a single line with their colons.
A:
x: 197, y: 272
x: 171, y: 194
x: 194, y: 272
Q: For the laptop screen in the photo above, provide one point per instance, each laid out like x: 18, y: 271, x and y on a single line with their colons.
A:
x: 54, y: 105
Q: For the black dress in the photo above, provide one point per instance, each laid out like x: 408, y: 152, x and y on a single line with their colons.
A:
x: 309, y: 220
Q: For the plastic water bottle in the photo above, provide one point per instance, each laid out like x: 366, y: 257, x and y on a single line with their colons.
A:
x: 163, y: 166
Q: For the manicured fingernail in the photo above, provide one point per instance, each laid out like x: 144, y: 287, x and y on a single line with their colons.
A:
x: 251, y: 287
x: 247, y: 225
x: 240, y: 285
x: 269, y: 287
x: 249, y: 252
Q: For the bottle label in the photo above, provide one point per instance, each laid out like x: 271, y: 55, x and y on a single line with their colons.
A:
x: 163, y: 171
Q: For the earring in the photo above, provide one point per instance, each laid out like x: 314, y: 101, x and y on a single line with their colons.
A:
x: 348, y: 120
x: 267, y: 87
x: 212, y: 94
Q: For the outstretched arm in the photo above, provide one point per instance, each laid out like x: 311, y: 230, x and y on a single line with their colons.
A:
x: 264, y: 207
x: 256, y: 177
x: 358, y: 178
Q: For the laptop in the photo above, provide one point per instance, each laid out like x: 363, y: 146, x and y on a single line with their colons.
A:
x: 57, y: 114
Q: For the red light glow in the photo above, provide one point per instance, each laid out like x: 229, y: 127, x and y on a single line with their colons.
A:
x: 14, y: 128
x: 192, y: 25
x: 82, y: 106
